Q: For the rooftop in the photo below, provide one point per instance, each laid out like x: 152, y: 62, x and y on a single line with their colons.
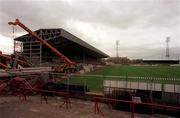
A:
x: 56, y: 34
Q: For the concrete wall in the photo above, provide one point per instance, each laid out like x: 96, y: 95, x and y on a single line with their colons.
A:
x: 171, y: 88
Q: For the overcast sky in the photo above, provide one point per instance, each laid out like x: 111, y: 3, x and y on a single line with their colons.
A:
x: 141, y: 26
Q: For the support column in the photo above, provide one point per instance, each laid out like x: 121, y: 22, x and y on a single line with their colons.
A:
x: 40, y: 55
x: 40, y: 50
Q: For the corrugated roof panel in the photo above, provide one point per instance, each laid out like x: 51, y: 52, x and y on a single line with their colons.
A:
x: 68, y: 36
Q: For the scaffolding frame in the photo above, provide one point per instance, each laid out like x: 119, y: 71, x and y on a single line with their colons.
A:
x: 31, y: 48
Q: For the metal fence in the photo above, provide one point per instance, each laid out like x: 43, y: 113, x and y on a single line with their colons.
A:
x: 168, y: 87
x: 100, y: 83
x: 113, y: 88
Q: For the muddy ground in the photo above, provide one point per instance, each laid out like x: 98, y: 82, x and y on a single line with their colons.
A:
x: 12, y: 107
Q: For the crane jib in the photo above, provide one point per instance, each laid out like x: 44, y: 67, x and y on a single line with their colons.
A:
x: 63, y: 57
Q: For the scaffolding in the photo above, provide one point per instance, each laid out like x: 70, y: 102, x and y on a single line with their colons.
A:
x: 31, y: 48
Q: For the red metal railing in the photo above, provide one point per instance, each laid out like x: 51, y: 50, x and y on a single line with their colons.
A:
x: 97, y: 109
x: 65, y: 95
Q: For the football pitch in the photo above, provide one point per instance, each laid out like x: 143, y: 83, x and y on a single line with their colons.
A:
x: 162, y: 74
x: 139, y: 71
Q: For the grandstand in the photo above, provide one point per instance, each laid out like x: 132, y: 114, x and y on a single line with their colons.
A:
x: 70, y: 45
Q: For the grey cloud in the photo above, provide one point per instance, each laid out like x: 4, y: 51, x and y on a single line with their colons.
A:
x: 123, y: 15
x: 146, y: 53
x: 36, y: 13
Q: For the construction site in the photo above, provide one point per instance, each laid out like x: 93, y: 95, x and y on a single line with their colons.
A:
x: 89, y: 59
x: 52, y: 64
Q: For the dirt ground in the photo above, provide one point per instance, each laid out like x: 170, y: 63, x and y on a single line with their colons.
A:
x: 12, y: 107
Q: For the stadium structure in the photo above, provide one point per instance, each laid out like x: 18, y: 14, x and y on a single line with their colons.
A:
x: 57, y: 47
x: 70, y: 45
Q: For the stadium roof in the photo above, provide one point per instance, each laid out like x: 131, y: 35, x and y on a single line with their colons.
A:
x: 52, y: 34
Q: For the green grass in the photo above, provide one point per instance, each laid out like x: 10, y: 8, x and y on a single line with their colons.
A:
x: 139, y: 71
x: 96, y: 83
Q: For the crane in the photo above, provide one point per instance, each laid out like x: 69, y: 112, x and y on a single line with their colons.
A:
x: 68, y: 66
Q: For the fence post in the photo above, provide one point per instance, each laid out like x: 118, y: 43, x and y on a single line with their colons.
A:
x: 151, y: 97
x: 163, y: 92
x: 132, y: 113
x: 68, y: 76
x: 126, y: 81
x: 85, y: 85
